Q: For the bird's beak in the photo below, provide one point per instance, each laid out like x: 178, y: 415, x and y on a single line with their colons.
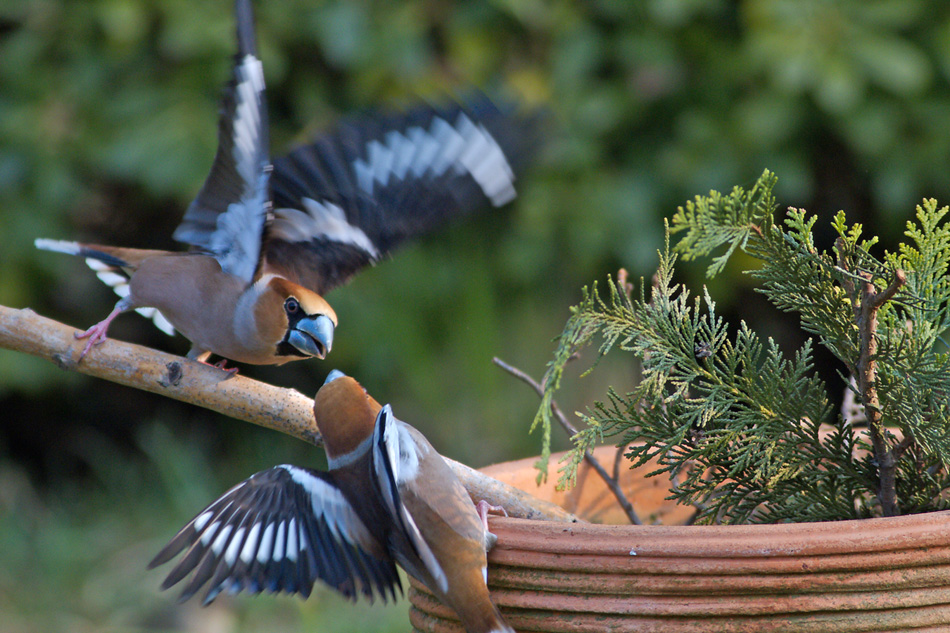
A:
x: 333, y: 375
x: 313, y: 336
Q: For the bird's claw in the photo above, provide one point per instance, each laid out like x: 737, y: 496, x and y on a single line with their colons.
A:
x: 96, y: 335
x: 221, y: 364
x: 484, y: 508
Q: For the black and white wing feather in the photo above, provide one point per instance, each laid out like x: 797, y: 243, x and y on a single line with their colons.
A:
x: 395, y: 463
x: 351, y: 197
x: 228, y: 216
x: 111, y: 270
x: 280, y: 531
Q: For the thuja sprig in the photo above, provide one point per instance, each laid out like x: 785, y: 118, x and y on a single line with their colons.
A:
x: 748, y: 434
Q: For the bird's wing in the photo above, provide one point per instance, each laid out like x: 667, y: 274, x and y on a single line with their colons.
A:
x: 449, y: 500
x: 280, y: 530
x: 228, y: 216
x: 114, y: 266
x: 353, y: 196
x: 395, y: 463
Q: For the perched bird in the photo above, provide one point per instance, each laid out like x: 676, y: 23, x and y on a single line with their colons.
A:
x: 388, y: 497
x: 269, y: 240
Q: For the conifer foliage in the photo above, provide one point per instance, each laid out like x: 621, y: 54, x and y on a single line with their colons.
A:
x: 747, y: 434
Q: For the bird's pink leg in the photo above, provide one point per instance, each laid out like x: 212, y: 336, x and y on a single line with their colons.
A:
x: 484, y: 508
x: 221, y: 364
x: 97, y: 333
x: 202, y: 357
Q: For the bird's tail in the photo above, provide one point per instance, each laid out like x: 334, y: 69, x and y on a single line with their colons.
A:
x: 500, y: 626
x: 495, y: 623
x: 105, y: 254
x: 113, y: 266
x: 480, y: 615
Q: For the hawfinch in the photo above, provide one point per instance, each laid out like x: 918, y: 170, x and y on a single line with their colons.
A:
x: 387, y: 498
x: 268, y: 240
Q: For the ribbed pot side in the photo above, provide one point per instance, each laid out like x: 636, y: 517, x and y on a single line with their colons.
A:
x: 872, y: 575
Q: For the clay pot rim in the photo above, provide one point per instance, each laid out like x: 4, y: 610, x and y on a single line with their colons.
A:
x: 860, y: 536
x: 882, y: 534
x: 847, y: 576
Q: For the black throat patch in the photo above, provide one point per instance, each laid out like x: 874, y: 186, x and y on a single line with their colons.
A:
x: 284, y: 348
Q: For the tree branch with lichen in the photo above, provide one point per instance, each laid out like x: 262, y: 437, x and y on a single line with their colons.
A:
x: 239, y: 397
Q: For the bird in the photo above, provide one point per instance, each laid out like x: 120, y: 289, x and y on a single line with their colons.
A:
x: 268, y: 239
x: 388, y: 497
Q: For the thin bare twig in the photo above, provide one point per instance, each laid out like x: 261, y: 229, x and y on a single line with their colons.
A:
x: 612, y: 482
x: 284, y: 410
x: 617, y: 459
x: 870, y: 303
x: 902, y: 447
x: 698, y: 506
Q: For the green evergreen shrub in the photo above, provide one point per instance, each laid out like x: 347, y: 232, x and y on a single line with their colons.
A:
x: 746, y: 434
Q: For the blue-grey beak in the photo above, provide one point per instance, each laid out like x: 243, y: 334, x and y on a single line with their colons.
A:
x: 313, y: 336
x: 333, y: 375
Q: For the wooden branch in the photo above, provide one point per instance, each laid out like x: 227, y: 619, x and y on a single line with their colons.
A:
x: 277, y: 408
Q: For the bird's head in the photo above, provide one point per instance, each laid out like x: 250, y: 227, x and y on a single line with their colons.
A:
x: 300, y: 320
x: 345, y: 414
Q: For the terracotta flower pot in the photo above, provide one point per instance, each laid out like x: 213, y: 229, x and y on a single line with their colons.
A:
x: 872, y: 575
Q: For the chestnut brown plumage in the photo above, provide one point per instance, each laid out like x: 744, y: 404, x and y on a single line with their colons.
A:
x: 268, y: 240
x: 388, y: 498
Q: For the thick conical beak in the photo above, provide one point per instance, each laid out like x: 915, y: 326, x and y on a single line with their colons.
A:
x: 333, y: 375
x: 313, y: 336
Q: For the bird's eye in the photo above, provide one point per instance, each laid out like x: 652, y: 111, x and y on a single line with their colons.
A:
x: 291, y: 305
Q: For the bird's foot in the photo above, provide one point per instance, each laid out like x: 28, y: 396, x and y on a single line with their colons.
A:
x: 484, y: 508
x: 221, y: 364
x: 96, y: 334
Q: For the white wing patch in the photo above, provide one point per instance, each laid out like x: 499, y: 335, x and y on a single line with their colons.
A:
x: 483, y: 159
x: 330, y: 504
x: 399, y: 459
x: 465, y: 148
x: 426, y: 149
x: 231, y: 554
x: 109, y: 275
x: 208, y: 534
x: 250, y: 546
x: 236, y: 240
x: 278, y: 554
x: 285, y: 529
x: 267, y: 544
x: 221, y: 539
x: 379, y: 167
x: 407, y: 457
x: 247, y: 119
x: 120, y: 285
x: 322, y: 219
x: 274, y: 541
x: 292, y: 540
x: 202, y: 520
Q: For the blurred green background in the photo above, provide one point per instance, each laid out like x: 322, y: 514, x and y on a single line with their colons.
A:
x: 107, y: 129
